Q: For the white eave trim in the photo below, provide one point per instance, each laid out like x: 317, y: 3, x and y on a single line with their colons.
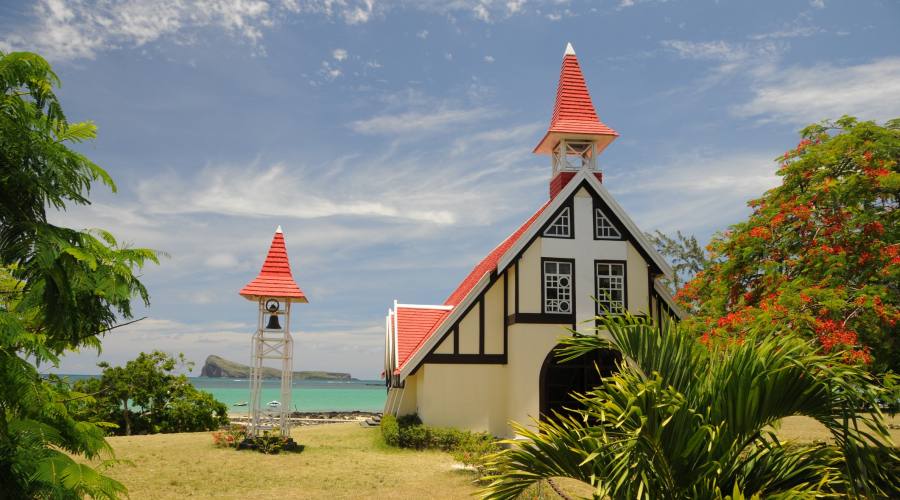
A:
x: 455, y: 314
x: 663, y: 292
x: 424, y: 306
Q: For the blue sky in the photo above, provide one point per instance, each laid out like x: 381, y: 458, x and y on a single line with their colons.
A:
x: 392, y: 140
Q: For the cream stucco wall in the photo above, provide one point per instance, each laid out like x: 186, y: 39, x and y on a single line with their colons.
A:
x: 529, y: 345
x: 446, y: 346
x: 408, y: 396
x: 530, y: 279
x: 637, y: 275
x: 468, y: 332
x: 493, y: 319
x: 464, y: 396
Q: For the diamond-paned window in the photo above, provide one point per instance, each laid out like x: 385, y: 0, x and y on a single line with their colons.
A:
x: 558, y: 287
x: 604, y: 228
x: 610, y: 287
x: 561, y: 227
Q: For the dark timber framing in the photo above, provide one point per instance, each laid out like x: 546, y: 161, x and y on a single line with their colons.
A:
x: 511, y: 312
x: 569, y: 204
x: 480, y: 357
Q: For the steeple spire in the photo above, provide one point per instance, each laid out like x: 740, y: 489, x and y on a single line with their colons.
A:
x: 275, y: 278
x: 576, y: 135
x: 573, y: 113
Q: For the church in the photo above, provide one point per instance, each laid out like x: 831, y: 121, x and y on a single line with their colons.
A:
x: 485, y: 356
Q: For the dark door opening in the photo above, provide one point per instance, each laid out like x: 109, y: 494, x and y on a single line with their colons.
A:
x: 559, y: 380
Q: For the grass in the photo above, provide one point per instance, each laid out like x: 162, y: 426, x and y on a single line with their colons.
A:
x: 340, y: 461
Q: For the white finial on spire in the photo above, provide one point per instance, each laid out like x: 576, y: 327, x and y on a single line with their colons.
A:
x: 278, y: 229
x: 570, y: 51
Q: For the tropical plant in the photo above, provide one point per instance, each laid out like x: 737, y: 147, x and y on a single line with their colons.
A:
x: 60, y: 289
x: 819, y: 254
x: 684, y: 420
x: 146, y: 396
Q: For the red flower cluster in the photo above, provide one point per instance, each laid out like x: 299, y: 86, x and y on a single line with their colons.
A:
x: 832, y: 334
x: 761, y: 232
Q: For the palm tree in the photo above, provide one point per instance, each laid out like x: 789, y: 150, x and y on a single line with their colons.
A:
x: 685, y: 420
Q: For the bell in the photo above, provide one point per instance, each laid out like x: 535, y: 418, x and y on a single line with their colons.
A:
x: 273, y: 323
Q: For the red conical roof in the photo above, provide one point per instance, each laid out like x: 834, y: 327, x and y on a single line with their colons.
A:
x: 574, y: 113
x: 275, y: 278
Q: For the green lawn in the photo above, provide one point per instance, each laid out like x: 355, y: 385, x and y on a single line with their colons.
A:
x: 340, y: 461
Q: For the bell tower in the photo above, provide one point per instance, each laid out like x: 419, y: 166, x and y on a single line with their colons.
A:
x: 576, y: 135
x: 274, y: 291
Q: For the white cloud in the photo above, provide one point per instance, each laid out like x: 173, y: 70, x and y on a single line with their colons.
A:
x: 756, y: 58
x: 222, y: 260
x: 819, y: 4
x: 481, y: 13
x: 488, y: 59
x: 360, y: 13
x: 448, y: 56
x: 419, y: 121
x: 339, y: 54
x: 805, y: 94
x: 554, y: 16
x: 422, y: 34
x: 695, y: 190
x: 317, y: 349
x: 514, y: 6
x: 72, y: 29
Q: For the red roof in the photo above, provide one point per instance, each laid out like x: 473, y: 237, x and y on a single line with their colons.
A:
x: 574, y: 111
x: 414, y: 326
x: 275, y: 278
x: 411, y: 322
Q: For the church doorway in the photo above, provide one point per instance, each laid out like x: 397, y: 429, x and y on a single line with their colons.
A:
x: 560, y: 379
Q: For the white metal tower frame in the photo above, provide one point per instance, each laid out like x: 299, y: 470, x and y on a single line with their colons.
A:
x: 277, y: 345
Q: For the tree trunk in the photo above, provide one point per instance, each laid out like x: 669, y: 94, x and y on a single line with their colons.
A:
x: 127, y: 417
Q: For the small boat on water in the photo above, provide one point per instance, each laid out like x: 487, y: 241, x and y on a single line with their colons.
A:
x: 274, y: 404
x: 242, y: 403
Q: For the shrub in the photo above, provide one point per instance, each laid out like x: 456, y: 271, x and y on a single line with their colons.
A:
x: 474, y: 448
x: 230, y: 437
x: 408, y: 431
x: 390, y: 430
x: 414, y: 436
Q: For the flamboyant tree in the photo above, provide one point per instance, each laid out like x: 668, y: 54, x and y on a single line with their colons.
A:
x: 820, y: 253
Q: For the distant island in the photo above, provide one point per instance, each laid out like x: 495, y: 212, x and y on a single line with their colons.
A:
x: 216, y: 366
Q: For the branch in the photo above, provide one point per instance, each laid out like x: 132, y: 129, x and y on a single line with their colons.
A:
x: 121, y: 325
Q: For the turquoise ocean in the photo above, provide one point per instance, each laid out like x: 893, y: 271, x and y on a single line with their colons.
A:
x: 307, y: 395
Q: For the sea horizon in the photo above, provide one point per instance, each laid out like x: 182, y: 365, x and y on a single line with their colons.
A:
x: 307, y: 395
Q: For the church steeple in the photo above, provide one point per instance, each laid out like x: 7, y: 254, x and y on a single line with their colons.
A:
x: 576, y: 135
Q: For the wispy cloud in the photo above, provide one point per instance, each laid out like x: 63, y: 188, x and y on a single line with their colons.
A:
x: 64, y: 30
x: 805, y: 94
x: 420, y: 121
x: 695, y: 190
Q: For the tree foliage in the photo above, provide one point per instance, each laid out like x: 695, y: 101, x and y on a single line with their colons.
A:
x: 684, y: 253
x: 820, y: 253
x: 60, y: 289
x: 686, y: 421
x: 147, y: 396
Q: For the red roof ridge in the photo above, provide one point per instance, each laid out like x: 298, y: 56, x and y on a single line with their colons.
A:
x: 275, y: 278
x: 486, y: 265
x: 490, y: 261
